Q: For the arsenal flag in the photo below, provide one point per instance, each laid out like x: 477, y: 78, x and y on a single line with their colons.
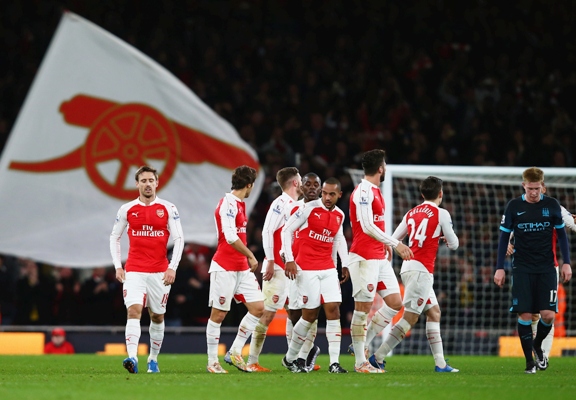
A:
x: 98, y: 110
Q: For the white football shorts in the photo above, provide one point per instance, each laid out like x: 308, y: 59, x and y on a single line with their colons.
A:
x: 294, y: 294
x: 148, y: 289
x: 275, y: 291
x: 387, y: 280
x: 242, y: 286
x: 318, y: 287
x: 364, y: 277
x: 419, y: 294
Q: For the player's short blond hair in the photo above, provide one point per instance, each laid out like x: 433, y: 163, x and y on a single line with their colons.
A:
x: 533, y: 174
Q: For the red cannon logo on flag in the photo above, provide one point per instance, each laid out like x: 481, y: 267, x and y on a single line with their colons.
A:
x: 133, y: 134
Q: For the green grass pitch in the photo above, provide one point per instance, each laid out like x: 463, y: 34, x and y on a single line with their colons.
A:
x: 84, y: 376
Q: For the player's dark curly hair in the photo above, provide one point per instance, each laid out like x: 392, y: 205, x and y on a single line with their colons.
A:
x: 431, y: 187
x: 242, y: 177
x: 372, y: 160
x: 143, y: 169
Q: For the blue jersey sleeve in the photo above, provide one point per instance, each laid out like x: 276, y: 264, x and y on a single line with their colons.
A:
x: 506, y: 222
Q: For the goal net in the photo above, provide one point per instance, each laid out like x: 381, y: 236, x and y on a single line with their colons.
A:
x: 474, y: 310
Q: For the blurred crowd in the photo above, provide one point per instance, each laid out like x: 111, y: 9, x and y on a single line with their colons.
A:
x: 33, y: 293
x: 314, y: 84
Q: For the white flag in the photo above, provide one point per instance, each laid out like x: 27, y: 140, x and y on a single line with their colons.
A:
x: 98, y: 110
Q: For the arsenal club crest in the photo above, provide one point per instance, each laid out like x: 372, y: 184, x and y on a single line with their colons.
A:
x: 160, y: 213
x: 305, y: 299
x: 222, y: 300
x: 275, y: 298
x: 370, y: 287
x: 126, y: 132
x: 420, y: 301
x: 124, y: 293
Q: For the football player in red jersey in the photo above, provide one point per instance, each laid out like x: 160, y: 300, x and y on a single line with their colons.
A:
x: 148, y: 274
x: 275, y: 283
x: 232, y: 273
x: 319, y: 226
x: 425, y: 226
x: 370, y: 269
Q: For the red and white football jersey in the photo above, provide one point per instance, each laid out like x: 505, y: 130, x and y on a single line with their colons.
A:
x: 231, y: 221
x: 149, y: 227
x: 424, y: 224
x: 367, y: 219
x: 296, y: 243
x: 318, y: 229
x: 277, y: 215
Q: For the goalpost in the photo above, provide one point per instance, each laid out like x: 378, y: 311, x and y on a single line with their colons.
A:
x: 474, y: 310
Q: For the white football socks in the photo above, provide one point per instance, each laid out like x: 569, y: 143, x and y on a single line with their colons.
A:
x: 380, y: 320
x: 396, y: 335
x: 245, y: 329
x: 334, y: 336
x: 299, y: 334
x: 358, y: 333
x: 289, y: 328
x: 435, y: 341
x: 156, y: 337
x: 133, y: 332
x: 212, y: 341
x: 257, y: 342
x: 309, y: 343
